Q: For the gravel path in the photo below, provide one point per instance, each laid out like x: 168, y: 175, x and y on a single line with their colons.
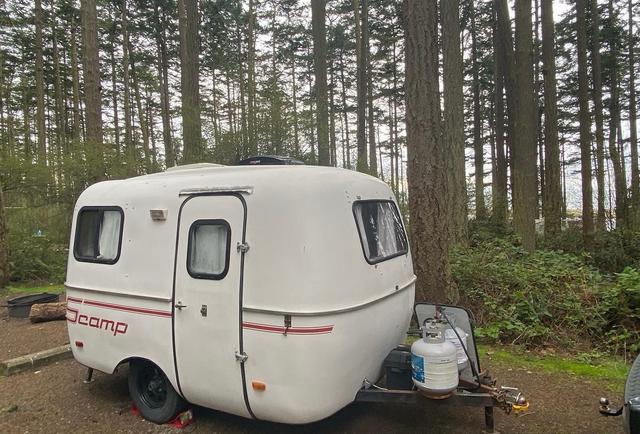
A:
x: 19, y: 337
x: 55, y: 400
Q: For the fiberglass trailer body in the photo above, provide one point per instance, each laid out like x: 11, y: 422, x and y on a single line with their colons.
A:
x: 243, y: 289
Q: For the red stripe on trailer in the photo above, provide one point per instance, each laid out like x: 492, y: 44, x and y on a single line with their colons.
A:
x: 268, y: 328
x: 112, y: 306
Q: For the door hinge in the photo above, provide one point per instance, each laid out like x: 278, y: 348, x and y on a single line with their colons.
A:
x: 241, y: 357
x: 243, y: 247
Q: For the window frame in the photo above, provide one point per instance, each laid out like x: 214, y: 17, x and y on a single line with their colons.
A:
x: 360, y: 234
x: 101, y: 210
x: 192, y: 228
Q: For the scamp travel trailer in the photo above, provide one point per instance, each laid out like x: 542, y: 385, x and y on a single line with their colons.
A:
x: 271, y: 292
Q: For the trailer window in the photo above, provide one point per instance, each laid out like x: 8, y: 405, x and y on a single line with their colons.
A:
x: 98, y: 234
x: 381, y: 231
x: 208, y: 250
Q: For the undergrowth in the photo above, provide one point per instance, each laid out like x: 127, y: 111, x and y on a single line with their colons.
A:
x: 546, y: 297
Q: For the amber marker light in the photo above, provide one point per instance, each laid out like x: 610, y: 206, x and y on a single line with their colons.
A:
x: 258, y: 385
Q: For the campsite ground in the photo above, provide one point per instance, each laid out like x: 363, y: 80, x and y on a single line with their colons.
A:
x: 563, y: 393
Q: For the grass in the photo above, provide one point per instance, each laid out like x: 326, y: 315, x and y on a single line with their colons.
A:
x: 609, y: 369
x: 54, y: 288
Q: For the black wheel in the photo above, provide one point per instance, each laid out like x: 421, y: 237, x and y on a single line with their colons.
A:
x: 631, y: 411
x: 152, y: 392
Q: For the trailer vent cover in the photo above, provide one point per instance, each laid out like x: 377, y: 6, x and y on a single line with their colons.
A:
x: 158, y: 214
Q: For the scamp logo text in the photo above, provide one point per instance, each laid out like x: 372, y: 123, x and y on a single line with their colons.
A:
x: 115, y: 327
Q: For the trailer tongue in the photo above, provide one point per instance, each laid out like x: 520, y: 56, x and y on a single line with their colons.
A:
x: 476, y: 388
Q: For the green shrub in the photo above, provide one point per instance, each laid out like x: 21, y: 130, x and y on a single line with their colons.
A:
x: 36, y: 258
x: 527, y: 298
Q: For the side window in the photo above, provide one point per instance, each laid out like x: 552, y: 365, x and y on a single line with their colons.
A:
x: 208, y: 249
x: 98, y: 234
x: 381, y: 231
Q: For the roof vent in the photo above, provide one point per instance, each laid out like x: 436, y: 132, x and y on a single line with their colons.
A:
x: 194, y: 166
x: 268, y: 160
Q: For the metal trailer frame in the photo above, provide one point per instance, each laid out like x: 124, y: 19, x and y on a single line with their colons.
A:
x: 488, y: 398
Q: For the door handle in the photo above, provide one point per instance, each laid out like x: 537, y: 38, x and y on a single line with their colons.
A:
x: 179, y: 305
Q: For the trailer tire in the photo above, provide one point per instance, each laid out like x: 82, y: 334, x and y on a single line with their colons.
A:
x: 152, y: 393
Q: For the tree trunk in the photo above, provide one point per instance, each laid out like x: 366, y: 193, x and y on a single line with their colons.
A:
x: 585, y: 126
x: 453, y: 126
x: 93, y: 103
x: 114, y: 96
x: 361, y: 104
x: 500, y: 202
x: 193, y: 149
x: 75, y: 85
x: 552, y: 188
x: 506, y: 58
x: 524, y: 149
x: 347, y: 144
x: 294, y: 91
x: 320, y: 71
x: 597, y: 100
x: 426, y: 155
x: 478, y: 146
x: 371, y: 137
x: 633, y: 131
x: 144, y: 125
x: 251, y: 83
x: 163, y: 74
x: 39, y: 70
x: 614, y: 109
x: 48, y: 312
x: 129, y: 146
x: 4, y: 246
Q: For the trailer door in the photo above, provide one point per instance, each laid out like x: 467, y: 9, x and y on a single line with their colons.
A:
x: 207, y: 302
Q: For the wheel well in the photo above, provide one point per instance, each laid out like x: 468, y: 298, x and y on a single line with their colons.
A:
x: 133, y: 359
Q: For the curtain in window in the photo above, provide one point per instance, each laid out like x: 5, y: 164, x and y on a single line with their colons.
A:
x: 208, y: 249
x: 109, y: 235
x: 381, y: 229
x: 386, y: 224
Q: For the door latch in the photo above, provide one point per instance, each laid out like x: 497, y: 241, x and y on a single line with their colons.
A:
x: 203, y: 310
x: 241, y: 357
x: 179, y: 305
x: 243, y: 247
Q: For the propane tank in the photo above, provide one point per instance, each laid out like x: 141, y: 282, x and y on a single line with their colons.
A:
x: 450, y: 336
x: 434, y: 364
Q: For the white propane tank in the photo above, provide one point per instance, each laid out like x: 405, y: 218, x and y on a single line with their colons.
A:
x: 450, y: 336
x: 434, y: 365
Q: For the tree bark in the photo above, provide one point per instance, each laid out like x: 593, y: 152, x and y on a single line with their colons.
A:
x: 4, y: 246
x: 251, y: 83
x: 633, y: 131
x: 48, y: 312
x: 524, y: 149
x: 614, y: 110
x: 500, y: 202
x: 552, y: 187
x: 75, y: 85
x: 163, y: 75
x: 453, y: 126
x: 371, y: 137
x: 478, y: 146
x: 426, y: 155
x: 93, y: 103
x: 193, y: 146
x: 597, y: 100
x: 361, y: 103
x: 129, y: 145
x: 39, y: 73
x: 320, y: 70
x: 585, y: 126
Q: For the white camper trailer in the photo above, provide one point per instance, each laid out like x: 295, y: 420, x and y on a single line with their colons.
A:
x: 270, y: 292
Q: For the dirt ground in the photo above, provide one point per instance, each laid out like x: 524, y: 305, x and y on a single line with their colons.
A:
x: 54, y: 399
x: 19, y: 337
